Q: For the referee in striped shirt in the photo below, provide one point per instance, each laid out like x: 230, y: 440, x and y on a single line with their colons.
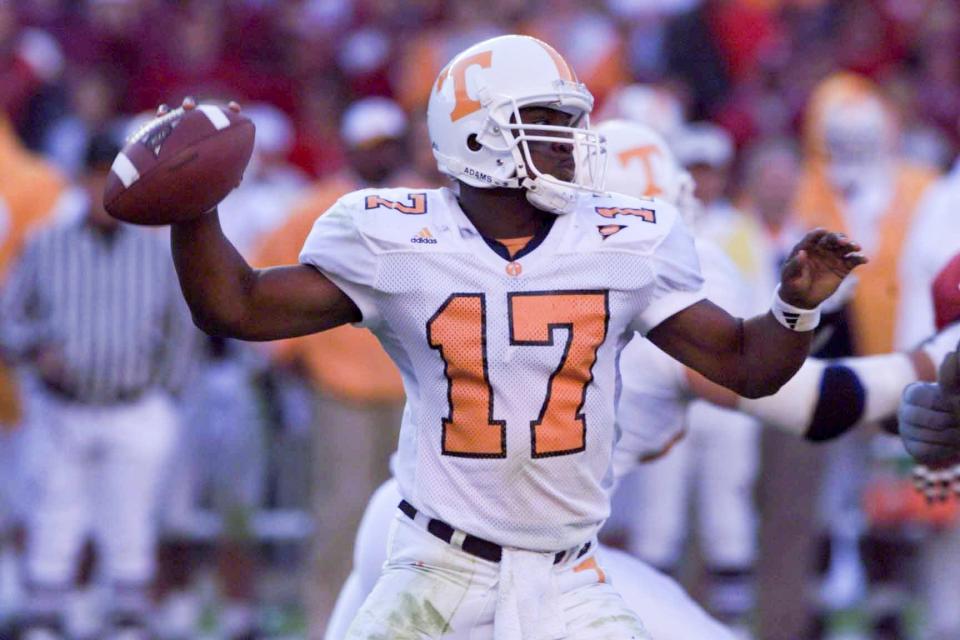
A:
x: 93, y: 308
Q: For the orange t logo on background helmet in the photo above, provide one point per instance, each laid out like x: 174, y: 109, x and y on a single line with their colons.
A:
x: 643, y: 154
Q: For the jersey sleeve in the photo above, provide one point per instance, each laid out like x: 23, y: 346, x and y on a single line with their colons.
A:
x: 338, y: 249
x: 918, y: 267
x: 677, y: 280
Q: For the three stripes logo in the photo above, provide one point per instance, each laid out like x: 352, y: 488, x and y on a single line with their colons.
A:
x: 791, y: 318
x: 423, y: 237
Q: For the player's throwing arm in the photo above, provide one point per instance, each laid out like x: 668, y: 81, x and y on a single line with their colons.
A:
x: 199, y: 153
x: 757, y: 356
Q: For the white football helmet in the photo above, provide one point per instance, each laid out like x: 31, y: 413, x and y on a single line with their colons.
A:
x: 853, y: 130
x: 474, y: 120
x: 859, y: 136
x: 640, y: 164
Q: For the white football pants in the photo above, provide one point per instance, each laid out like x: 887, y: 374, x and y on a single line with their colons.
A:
x: 666, y: 610
x: 101, y: 467
x: 719, y: 457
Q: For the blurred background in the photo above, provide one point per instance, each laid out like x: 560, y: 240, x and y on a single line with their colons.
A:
x: 788, y: 113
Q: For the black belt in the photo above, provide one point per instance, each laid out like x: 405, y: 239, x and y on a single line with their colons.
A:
x: 68, y: 394
x: 473, y: 545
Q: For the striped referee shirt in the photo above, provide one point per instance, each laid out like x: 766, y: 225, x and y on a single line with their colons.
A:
x: 109, y: 303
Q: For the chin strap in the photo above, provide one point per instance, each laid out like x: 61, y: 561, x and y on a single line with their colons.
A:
x: 549, y: 194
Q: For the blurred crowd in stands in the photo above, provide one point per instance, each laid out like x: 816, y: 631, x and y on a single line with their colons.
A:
x: 337, y: 90
x: 749, y: 65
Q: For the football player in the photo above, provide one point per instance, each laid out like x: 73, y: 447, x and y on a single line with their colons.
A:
x: 666, y: 610
x: 652, y: 408
x: 506, y: 330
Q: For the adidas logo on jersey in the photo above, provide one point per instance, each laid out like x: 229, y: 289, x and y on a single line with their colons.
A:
x: 423, y: 237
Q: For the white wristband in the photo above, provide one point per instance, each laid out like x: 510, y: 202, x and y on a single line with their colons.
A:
x: 794, y: 318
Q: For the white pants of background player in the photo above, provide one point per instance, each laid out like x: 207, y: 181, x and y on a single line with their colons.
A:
x: 666, y: 611
x: 100, y: 470
x: 718, y: 458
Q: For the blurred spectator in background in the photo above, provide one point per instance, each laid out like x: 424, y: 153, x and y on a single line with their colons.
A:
x: 30, y: 59
x: 317, y: 148
x: 424, y: 55
x: 94, y: 307
x: 30, y: 189
x: 270, y: 184
x: 788, y: 532
x: 693, y: 55
x: 651, y: 105
x: 359, y: 393
x: 706, y: 151
x: 645, y: 23
x: 199, y: 60
x: 93, y: 105
x: 855, y: 181
x: 222, y: 464
x: 591, y: 40
x: 225, y: 413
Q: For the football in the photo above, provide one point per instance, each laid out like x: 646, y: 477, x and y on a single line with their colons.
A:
x: 179, y: 165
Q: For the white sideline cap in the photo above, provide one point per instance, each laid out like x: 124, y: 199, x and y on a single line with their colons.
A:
x: 372, y: 119
x: 703, y: 143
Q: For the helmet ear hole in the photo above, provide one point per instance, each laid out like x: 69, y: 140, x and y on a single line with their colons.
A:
x: 472, y: 143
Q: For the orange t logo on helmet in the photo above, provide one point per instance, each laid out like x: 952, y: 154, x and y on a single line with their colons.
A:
x: 465, y: 105
x: 643, y: 154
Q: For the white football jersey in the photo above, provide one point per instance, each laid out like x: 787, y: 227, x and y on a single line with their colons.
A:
x: 509, y: 366
x: 934, y: 239
x: 652, y: 411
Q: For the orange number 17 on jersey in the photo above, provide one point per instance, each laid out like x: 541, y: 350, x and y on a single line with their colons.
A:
x: 458, y: 331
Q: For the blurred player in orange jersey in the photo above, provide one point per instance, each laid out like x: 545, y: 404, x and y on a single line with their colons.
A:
x: 30, y: 192
x: 359, y: 392
x: 855, y: 180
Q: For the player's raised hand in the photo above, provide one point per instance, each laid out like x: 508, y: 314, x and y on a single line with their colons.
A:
x: 817, y: 266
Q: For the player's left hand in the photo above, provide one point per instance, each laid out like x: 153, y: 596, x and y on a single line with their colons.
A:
x: 817, y: 266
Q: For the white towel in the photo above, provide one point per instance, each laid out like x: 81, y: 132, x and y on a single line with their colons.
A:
x: 528, y: 600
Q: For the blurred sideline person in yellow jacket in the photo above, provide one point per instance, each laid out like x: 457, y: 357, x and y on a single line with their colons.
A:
x: 855, y: 181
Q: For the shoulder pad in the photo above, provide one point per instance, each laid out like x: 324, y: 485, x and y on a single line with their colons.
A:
x: 624, y: 222
x: 395, y: 218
